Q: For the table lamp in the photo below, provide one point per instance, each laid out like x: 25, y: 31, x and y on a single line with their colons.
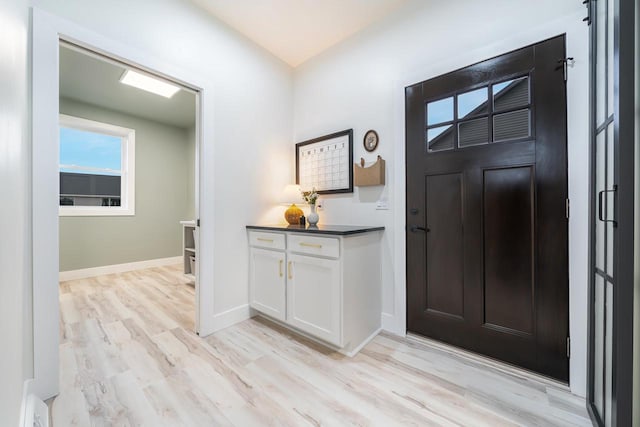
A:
x: 291, y: 194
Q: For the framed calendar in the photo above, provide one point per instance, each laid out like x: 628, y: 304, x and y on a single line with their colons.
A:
x: 326, y: 163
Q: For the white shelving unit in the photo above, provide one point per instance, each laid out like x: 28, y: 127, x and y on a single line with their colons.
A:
x: 189, y: 248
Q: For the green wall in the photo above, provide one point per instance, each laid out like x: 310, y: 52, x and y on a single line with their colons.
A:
x: 164, y: 196
x: 191, y: 173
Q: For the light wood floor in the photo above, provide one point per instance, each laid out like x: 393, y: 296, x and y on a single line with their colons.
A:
x: 129, y: 357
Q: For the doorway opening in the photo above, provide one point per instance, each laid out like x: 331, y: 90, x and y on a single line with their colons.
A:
x: 127, y: 159
x: 48, y: 33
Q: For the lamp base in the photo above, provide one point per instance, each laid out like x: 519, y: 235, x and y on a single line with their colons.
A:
x: 293, y: 214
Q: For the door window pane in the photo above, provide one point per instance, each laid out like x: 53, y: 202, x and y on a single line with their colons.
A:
x: 610, y: 200
x: 610, y: 74
x: 600, y: 186
x: 598, y: 350
x: 473, y: 132
x: 608, y: 348
x: 473, y: 103
x: 440, y: 138
x: 512, y: 125
x: 440, y: 111
x: 600, y: 54
x: 511, y: 94
x: 473, y: 120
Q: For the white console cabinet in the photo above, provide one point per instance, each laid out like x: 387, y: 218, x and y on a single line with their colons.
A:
x: 326, y: 286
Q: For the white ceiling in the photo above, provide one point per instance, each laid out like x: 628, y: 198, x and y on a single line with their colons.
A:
x: 296, y: 30
x: 94, y: 81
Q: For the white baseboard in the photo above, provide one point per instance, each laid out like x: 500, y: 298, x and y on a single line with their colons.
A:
x: 390, y: 324
x: 231, y: 317
x: 33, y: 410
x: 118, y: 268
x: 343, y: 351
x: 299, y: 332
x: 356, y: 350
x: 26, y: 390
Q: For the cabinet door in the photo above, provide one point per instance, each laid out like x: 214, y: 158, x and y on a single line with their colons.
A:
x: 314, y: 297
x: 267, y: 282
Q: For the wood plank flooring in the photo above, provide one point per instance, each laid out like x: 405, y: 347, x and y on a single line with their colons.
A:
x: 129, y: 357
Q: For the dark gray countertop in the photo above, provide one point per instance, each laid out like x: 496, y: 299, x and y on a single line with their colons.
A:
x: 336, y: 230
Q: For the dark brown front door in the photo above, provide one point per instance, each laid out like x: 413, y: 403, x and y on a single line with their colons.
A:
x: 487, y: 265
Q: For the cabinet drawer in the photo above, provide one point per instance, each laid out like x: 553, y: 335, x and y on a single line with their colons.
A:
x: 266, y: 240
x: 311, y: 245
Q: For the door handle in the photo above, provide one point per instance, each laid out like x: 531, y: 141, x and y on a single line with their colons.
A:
x: 415, y: 229
x: 289, y: 270
x: 280, y: 267
x: 601, y: 202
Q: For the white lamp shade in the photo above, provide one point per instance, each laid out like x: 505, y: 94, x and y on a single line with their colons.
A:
x: 291, y: 194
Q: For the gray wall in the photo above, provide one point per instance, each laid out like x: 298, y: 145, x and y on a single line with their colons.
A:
x: 164, y: 196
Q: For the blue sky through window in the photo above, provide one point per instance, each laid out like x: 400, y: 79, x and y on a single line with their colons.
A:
x: 440, y: 111
x: 434, y: 132
x: 469, y: 101
x: 89, y: 152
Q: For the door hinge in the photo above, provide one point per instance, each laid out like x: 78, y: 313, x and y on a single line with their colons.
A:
x: 198, y: 222
x: 568, y: 347
x: 565, y: 63
x: 566, y: 208
x: 587, y: 3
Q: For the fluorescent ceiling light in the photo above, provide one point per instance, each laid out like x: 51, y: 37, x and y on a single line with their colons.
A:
x: 150, y: 84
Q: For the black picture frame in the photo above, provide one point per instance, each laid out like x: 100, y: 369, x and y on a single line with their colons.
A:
x: 323, y: 141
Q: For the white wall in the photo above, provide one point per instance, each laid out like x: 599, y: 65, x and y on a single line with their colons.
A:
x: 358, y: 84
x: 252, y: 109
x: 15, y: 334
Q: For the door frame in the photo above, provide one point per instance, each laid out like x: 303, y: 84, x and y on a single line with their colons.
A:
x: 543, y: 348
x: 624, y: 248
x: 577, y: 147
x: 47, y: 32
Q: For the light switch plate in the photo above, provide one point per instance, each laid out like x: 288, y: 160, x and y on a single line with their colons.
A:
x: 382, y: 205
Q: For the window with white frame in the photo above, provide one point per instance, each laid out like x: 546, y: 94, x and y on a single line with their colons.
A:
x: 97, y: 168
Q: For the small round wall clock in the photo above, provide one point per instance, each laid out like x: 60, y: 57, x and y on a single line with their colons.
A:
x: 371, y: 140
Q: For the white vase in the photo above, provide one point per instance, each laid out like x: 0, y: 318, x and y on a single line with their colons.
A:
x: 313, y: 217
